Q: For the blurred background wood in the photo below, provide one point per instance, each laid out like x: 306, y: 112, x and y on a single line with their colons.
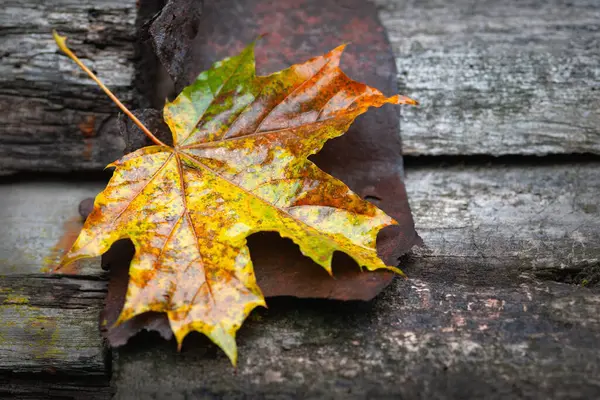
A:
x: 497, y: 77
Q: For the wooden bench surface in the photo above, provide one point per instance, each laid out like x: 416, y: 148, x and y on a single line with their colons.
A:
x: 503, y: 302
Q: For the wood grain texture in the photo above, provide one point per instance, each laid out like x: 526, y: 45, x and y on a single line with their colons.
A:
x: 54, y: 118
x: 50, y: 324
x: 493, y: 78
x: 50, y: 346
x: 497, y: 77
x: 543, y: 218
x: 422, y: 338
x: 38, y: 387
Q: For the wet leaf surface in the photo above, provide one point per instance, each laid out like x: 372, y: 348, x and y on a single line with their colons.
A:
x: 239, y: 165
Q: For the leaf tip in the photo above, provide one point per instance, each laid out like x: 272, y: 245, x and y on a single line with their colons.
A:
x: 337, y: 52
x: 64, y: 261
x: 233, y: 359
x: 327, y: 264
x: 342, y: 47
x: 225, y: 339
x: 329, y: 270
x: 263, y: 304
x: 261, y: 36
x: 122, y: 318
x: 398, y: 271
x: 179, y: 334
x: 399, y: 99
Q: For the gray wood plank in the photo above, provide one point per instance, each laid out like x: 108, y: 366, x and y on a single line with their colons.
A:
x: 39, y: 222
x: 50, y: 345
x: 53, y: 117
x: 493, y: 77
x: 497, y: 77
x: 36, y: 388
x: 50, y: 324
x: 543, y: 218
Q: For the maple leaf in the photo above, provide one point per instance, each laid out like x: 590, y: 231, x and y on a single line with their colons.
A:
x: 238, y: 165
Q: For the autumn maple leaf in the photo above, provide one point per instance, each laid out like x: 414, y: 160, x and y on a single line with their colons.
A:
x: 238, y: 165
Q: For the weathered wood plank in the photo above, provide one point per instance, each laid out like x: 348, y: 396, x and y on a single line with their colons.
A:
x: 36, y: 388
x: 39, y: 222
x: 493, y: 77
x: 420, y: 339
x: 497, y: 77
x: 49, y: 339
x: 50, y: 324
x: 53, y: 117
x: 52, y: 387
x: 543, y: 218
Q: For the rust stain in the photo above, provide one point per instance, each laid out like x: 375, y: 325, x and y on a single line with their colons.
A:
x: 87, y: 151
x: 87, y: 127
x: 71, y: 229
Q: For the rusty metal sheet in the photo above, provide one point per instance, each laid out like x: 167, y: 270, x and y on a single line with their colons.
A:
x: 188, y: 36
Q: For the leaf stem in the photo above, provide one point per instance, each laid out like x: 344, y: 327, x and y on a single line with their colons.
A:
x: 61, y: 41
